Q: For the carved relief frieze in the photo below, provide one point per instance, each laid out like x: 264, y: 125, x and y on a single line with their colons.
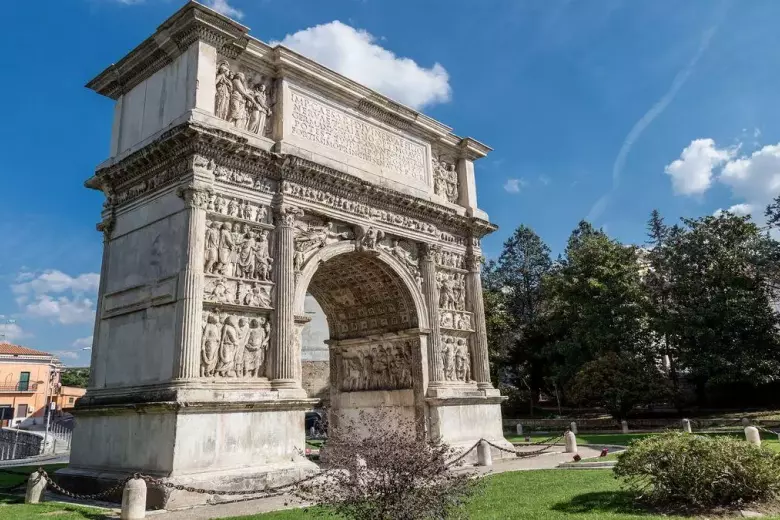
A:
x: 237, y: 250
x: 237, y: 208
x: 455, y: 320
x: 452, y: 290
x: 243, y: 99
x: 232, y: 291
x: 380, y: 365
x: 456, y: 358
x: 234, y: 344
x: 313, y: 233
x: 233, y: 175
x: 450, y: 260
x: 332, y: 127
x: 445, y: 180
x: 135, y: 190
x: 349, y: 205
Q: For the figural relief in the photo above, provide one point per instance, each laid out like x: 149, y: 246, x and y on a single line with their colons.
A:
x: 377, y: 366
x: 237, y: 250
x: 245, y: 108
x: 448, y: 259
x: 452, y: 290
x: 455, y: 320
x: 456, y: 359
x: 233, y: 345
x: 401, y: 250
x: 237, y: 292
x: 367, y: 238
x: 237, y: 208
x: 241, y: 178
x: 360, y: 209
x: 312, y: 235
x: 445, y: 180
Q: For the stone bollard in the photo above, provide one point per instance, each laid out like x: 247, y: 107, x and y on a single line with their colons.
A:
x: 624, y: 426
x: 134, y: 500
x: 519, y: 429
x: 745, y: 421
x: 686, y: 425
x: 36, y: 486
x: 752, y: 435
x: 573, y: 426
x: 484, y: 457
x: 570, y: 441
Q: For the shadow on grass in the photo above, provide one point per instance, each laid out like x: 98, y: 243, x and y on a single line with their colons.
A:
x: 622, y: 502
x: 51, y: 508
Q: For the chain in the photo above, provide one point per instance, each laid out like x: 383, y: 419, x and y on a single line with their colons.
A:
x: 62, y: 491
x: 463, y: 455
x: 767, y: 430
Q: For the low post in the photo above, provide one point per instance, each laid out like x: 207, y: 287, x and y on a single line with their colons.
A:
x: 134, y: 500
x: 36, y: 485
x: 484, y: 457
x: 519, y: 429
x: 745, y: 421
x: 624, y: 426
x: 573, y: 427
x: 686, y: 425
x: 752, y: 435
x: 570, y: 441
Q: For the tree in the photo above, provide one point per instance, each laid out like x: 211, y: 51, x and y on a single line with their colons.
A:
x: 597, y: 304
x: 721, y: 270
x: 78, y: 377
x: 618, y: 383
x: 497, y: 321
x: 391, y: 474
x: 519, y: 274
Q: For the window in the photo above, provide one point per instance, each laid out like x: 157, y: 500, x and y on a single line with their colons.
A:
x: 24, y: 381
x: 22, y: 411
x: 70, y: 400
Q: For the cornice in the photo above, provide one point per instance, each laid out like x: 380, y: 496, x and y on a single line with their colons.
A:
x: 191, y: 23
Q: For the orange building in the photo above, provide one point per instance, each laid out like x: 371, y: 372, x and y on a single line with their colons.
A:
x: 67, y: 395
x: 28, y: 378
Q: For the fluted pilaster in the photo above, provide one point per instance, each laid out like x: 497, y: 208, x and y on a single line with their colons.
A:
x: 106, y: 227
x: 431, y: 291
x: 479, y: 345
x: 282, y: 367
x: 190, y: 287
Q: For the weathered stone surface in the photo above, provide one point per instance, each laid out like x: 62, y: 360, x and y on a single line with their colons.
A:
x: 242, y: 178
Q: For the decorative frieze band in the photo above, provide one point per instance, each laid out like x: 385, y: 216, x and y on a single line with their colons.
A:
x: 383, y: 365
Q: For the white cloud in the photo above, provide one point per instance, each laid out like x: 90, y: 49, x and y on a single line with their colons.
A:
x: 755, y: 178
x: 82, y: 343
x: 65, y: 354
x: 54, y: 281
x: 514, y: 185
x: 10, y: 332
x: 222, y: 7
x: 737, y: 209
x: 62, y: 309
x: 355, y: 54
x: 692, y: 173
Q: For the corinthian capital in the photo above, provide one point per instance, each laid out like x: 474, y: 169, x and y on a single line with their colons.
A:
x: 285, y: 215
x: 429, y: 252
x: 474, y: 261
x: 194, y: 196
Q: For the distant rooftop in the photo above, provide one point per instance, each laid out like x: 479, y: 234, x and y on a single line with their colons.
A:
x: 7, y: 349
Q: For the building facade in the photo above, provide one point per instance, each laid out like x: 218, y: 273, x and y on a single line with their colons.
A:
x: 28, y: 380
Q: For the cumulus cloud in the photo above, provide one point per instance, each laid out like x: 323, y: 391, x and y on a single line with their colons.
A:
x: 58, y: 296
x: 10, y: 332
x: 222, y: 7
x: 755, y: 178
x: 355, y: 54
x: 514, y: 185
x: 83, y: 343
x: 65, y: 354
x: 692, y: 173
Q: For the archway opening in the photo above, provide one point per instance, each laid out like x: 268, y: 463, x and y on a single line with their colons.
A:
x: 374, y: 345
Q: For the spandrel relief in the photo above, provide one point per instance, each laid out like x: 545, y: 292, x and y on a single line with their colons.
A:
x: 445, y: 180
x: 377, y: 366
x: 237, y: 250
x: 243, y: 99
x: 456, y: 359
x: 402, y: 250
x: 234, y: 345
x: 312, y: 234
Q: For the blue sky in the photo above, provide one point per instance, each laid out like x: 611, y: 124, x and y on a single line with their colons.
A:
x: 603, y: 109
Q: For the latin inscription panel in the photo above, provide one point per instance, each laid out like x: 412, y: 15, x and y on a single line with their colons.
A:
x: 328, y: 126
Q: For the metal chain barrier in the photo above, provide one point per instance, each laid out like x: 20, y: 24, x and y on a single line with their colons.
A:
x: 463, y: 455
x: 103, y: 494
x: 767, y: 430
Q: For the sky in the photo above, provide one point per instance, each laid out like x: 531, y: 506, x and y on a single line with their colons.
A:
x: 596, y: 109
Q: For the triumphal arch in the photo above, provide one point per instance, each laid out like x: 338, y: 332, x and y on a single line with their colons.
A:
x: 242, y: 177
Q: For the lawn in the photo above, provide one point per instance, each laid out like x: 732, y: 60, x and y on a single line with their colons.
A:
x: 537, y: 495
x: 13, y: 507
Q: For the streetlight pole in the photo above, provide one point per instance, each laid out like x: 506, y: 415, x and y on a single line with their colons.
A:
x: 47, y: 410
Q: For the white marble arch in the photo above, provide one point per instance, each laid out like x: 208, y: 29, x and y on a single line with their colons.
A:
x: 349, y: 246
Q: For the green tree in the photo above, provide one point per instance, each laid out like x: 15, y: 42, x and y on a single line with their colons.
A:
x: 721, y: 270
x: 597, y: 304
x: 78, y: 377
x: 618, y: 383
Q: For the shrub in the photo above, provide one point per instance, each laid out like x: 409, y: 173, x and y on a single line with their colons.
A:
x: 380, y: 468
x: 700, y: 473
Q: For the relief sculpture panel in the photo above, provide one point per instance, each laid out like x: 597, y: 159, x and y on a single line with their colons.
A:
x: 376, y: 366
x: 445, y: 180
x: 331, y: 127
x: 237, y: 250
x: 245, y: 107
x: 456, y: 359
x: 234, y: 344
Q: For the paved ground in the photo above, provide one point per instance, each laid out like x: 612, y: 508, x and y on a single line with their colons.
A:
x: 546, y: 460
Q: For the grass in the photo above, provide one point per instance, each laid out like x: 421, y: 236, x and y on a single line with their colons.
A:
x: 536, y: 495
x: 13, y: 506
